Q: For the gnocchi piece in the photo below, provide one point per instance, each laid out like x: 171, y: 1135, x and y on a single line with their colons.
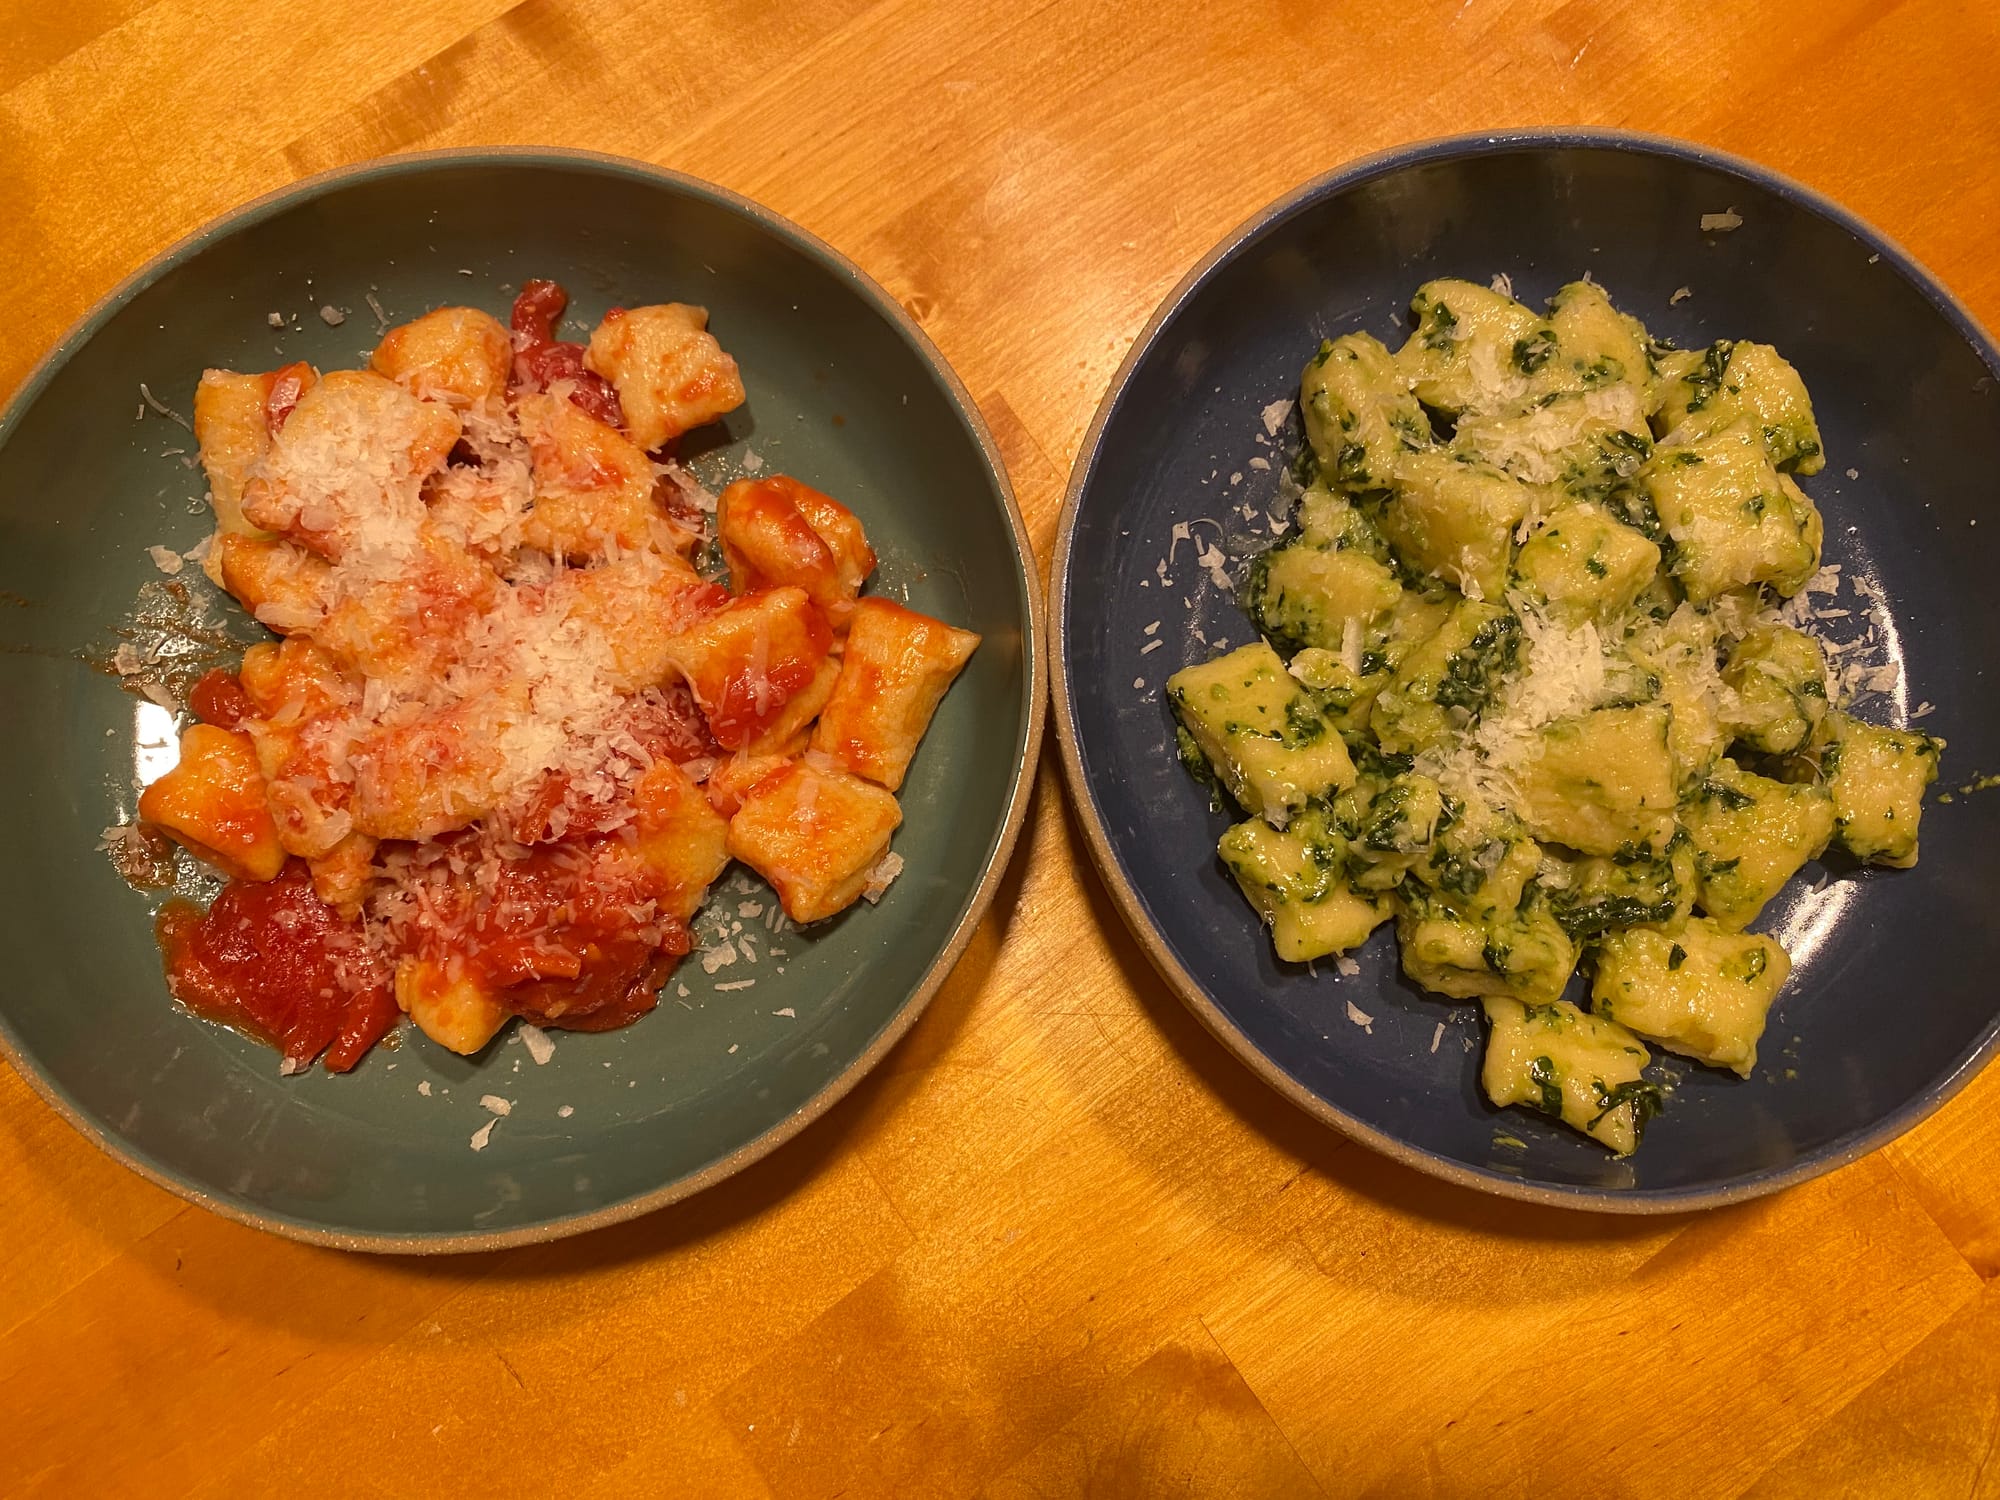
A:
x: 412, y: 625
x: 1591, y: 345
x: 1455, y: 518
x: 1751, y: 835
x: 234, y: 417
x: 816, y: 834
x: 593, y: 487
x: 1359, y: 415
x: 1636, y: 886
x: 1270, y: 744
x: 1472, y: 349
x: 731, y: 779
x: 1326, y: 519
x: 1479, y: 864
x: 1734, y: 519
x: 1583, y: 564
x: 1704, y: 991
x: 777, y: 531
x: 893, y: 674
x: 1585, y: 444
x: 285, y: 587
x: 681, y: 839
x: 637, y: 604
x: 1455, y: 671
x: 293, y: 680
x: 341, y: 876
x: 458, y: 355
x: 1876, y: 777
x: 791, y: 732
x: 670, y: 373
x: 311, y: 490
x: 840, y: 529
x: 439, y: 771
x: 747, y: 660
x: 1779, y: 677
x: 1294, y: 881
x: 1601, y: 780
x: 306, y: 705
x: 1579, y: 1068
x: 1706, y: 390
x: 458, y: 1013
x: 1678, y: 653
x: 1311, y: 593
x: 1523, y: 954
x: 213, y: 803
x: 1390, y: 822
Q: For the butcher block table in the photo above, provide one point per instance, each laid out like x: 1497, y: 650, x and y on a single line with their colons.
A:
x: 1060, y: 1242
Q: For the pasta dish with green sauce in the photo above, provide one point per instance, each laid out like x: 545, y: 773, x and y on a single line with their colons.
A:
x: 1533, y: 681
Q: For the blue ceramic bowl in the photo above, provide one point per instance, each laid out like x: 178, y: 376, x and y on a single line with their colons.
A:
x: 1891, y: 1008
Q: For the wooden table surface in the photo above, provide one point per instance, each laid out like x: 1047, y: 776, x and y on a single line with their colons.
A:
x: 1059, y: 1243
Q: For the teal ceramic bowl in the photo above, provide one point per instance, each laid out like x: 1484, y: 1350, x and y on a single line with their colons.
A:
x: 844, y: 391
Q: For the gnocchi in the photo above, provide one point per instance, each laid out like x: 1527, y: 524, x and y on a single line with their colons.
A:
x: 525, y: 701
x: 1536, y: 680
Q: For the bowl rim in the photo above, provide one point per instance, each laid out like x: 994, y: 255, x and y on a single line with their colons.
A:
x: 1034, y: 638
x: 1834, y: 1154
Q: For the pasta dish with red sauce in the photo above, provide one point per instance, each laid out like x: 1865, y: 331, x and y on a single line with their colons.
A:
x: 530, y: 688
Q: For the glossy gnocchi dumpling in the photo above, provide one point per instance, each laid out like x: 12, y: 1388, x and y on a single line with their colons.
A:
x: 1455, y: 670
x: 284, y: 586
x: 1295, y: 880
x: 593, y: 487
x: 1271, y: 745
x: 1780, y: 681
x: 893, y: 674
x: 1455, y: 517
x: 732, y: 779
x: 1472, y: 349
x: 457, y: 355
x: 776, y: 532
x: 456, y: 1012
x: 1312, y: 591
x: 1594, y: 345
x: 414, y: 623
x: 671, y: 374
x: 1709, y: 389
x: 1751, y: 835
x: 234, y: 417
x: 749, y: 659
x: 304, y: 703
x: 213, y: 802
x: 1579, y: 1068
x: 1734, y: 520
x: 353, y: 454
x: 440, y: 771
x: 1359, y: 414
x: 1601, y: 780
x: 1584, y: 564
x: 681, y: 839
x: 1876, y: 776
x: 1524, y: 954
x: 816, y: 834
x: 1704, y: 991
x: 635, y: 605
x: 342, y: 875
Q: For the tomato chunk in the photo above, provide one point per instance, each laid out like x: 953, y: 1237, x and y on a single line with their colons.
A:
x: 274, y: 961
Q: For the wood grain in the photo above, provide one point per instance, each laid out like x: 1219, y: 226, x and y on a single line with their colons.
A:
x: 1060, y: 1244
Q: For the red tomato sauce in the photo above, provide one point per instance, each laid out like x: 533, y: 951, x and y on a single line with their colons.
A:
x: 541, y: 359
x: 566, y: 936
x: 276, y: 962
x: 218, y: 699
